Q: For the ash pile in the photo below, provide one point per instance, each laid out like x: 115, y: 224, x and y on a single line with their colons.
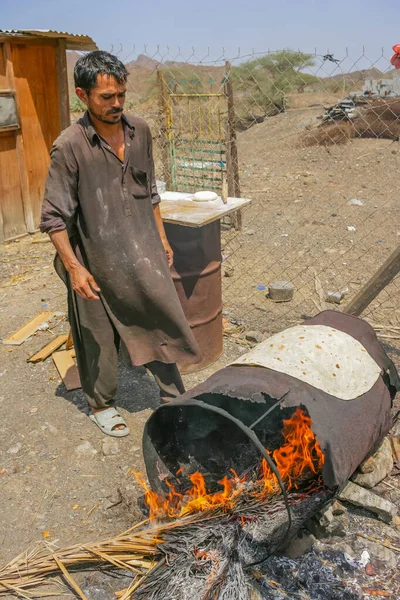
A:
x: 319, y: 397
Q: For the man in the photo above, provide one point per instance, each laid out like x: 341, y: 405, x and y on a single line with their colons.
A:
x: 101, y: 210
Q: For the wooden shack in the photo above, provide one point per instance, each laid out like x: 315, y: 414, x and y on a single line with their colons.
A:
x: 34, y: 109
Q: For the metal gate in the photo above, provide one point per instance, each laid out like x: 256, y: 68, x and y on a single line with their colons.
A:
x: 198, y: 139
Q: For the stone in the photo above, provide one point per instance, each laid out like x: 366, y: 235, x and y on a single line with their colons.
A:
x: 228, y: 271
x: 281, y: 291
x: 368, y: 465
x: 325, y: 516
x: 382, y: 465
x: 85, y: 448
x: 395, y: 442
x: 334, y: 297
x: 254, y: 336
x: 338, y: 508
x: 321, y: 529
x: 254, y: 594
x: 396, y: 521
x: 110, y: 447
x: 15, y: 449
x: 359, y: 496
x: 355, y: 202
x: 378, y: 552
x: 300, y: 545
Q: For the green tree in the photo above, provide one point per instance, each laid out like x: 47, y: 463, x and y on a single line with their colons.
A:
x: 261, y: 85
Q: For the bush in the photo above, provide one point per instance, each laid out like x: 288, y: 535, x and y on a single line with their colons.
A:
x: 261, y: 85
x: 77, y: 105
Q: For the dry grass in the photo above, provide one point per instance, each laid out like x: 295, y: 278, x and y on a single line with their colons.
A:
x: 379, y: 119
x: 329, y: 134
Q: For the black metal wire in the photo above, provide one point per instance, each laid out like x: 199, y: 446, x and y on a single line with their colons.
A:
x: 269, y: 410
x: 250, y: 434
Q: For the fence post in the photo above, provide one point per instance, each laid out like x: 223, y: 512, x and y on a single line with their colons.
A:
x: 375, y: 284
x: 232, y: 153
x: 165, y: 129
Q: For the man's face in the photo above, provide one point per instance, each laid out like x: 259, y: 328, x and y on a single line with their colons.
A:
x: 106, y: 100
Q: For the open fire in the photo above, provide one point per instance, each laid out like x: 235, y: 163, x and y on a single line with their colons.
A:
x: 298, y: 460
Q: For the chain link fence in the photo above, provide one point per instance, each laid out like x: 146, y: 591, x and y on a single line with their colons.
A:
x: 313, y: 140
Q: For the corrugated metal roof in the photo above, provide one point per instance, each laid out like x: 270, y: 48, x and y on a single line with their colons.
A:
x: 73, y: 41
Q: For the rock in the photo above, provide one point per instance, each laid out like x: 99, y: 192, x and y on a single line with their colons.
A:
x: 368, y: 465
x: 254, y: 594
x: 325, y: 516
x: 338, y: 508
x: 110, y: 447
x: 395, y: 442
x: 281, y: 291
x: 254, y: 336
x: 355, y: 202
x: 340, y: 547
x: 359, y: 496
x: 396, y: 521
x: 334, y: 297
x: 369, y: 570
x: 85, y: 448
x: 351, y: 228
x: 15, y: 449
x: 378, y: 552
x: 228, y: 271
x: 382, y: 465
x: 51, y: 428
x: 249, y: 232
x: 300, y: 545
x: 321, y: 529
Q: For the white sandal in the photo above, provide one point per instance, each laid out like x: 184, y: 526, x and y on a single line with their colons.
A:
x: 107, y: 420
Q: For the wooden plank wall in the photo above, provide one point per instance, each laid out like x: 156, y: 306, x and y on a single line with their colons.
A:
x: 12, y: 217
x: 36, y: 83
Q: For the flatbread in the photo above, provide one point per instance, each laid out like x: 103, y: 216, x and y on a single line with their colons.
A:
x: 321, y: 356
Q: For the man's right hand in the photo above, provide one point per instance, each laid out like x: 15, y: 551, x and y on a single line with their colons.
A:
x: 83, y: 282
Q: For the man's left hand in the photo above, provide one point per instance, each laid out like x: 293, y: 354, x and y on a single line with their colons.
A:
x: 169, y: 252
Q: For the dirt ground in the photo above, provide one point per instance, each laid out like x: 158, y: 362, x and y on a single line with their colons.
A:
x: 57, y: 480
x: 296, y: 227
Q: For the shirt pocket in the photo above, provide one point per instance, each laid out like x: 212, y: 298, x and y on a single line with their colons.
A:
x: 140, y: 184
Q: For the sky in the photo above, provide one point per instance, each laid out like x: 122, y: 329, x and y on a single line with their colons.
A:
x: 173, y: 27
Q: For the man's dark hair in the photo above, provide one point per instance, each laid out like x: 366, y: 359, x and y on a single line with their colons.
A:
x: 95, y: 63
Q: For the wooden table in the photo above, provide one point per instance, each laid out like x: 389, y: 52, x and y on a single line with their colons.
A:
x: 189, y: 213
x: 194, y: 231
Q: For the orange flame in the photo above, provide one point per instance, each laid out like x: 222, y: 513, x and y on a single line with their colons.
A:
x: 299, y: 458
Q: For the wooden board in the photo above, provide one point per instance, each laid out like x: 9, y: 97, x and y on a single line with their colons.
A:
x: 3, y: 76
x: 19, y: 337
x: 67, y: 369
x: 11, y: 202
x: 48, y: 350
x: 63, y: 93
x: 70, y: 341
x: 196, y: 214
x: 36, y: 84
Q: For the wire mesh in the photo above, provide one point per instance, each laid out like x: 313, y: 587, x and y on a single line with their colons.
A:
x: 318, y: 155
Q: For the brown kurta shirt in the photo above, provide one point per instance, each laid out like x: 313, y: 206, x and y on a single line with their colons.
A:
x: 107, y: 208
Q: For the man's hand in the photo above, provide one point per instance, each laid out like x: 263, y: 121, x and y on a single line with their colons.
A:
x: 168, y: 251
x: 83, y: 283
x: 160, y: 226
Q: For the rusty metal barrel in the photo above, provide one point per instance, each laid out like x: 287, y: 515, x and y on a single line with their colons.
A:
x: 197, y: 276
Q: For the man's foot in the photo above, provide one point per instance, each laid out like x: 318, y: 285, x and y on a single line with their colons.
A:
x: 109, y: 421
